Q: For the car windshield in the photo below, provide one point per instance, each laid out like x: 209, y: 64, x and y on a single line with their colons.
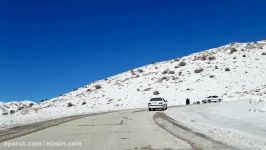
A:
x: 156, y: 99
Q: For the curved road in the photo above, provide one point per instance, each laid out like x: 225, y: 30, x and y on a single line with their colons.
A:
x: 124, y: 130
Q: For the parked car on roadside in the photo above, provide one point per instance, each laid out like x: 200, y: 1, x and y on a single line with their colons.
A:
x: 211, y: 99
x: 196, y: 102
x: 157, y: 103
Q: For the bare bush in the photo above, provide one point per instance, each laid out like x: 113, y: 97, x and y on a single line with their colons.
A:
x: 211, y: 76
x: 4, y: 113
x: 211, y: 58
x: 199, y: 70
x: 165, y: 71
x: 156, y: 93
x: 203, y: 57
x: 140, y: 70
x: 164, y: 78
x: 69, y: 104
x: 189, y: 89
x: 177, y: 59
x: 133, y: 72
x: 171, y: 72
x: 20, y: 108
x: 233, y: 50
x: 174, y: 78
x: 227, y: 69
x: 182, y: 63
x: 147, y: 89
x: 12, y: 112
x: 97, y: 87
x: 31, y: 104
x: 264, y: 53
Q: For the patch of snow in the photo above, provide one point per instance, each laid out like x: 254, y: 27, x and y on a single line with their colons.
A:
x: 233, y: 122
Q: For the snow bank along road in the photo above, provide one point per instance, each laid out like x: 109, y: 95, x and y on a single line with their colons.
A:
x: 125, y: 130
x: 239, y: 123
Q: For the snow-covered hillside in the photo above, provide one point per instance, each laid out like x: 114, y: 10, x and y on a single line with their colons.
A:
x: 10, y: 108
x: 231, y: 71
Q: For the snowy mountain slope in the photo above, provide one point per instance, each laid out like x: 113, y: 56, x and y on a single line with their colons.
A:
x: 175, y: 83
x: 231, y: 71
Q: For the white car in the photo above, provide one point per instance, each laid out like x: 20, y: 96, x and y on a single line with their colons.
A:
x: 157, y: 103
x: 210, y: 99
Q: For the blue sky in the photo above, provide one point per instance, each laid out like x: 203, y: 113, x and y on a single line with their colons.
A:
x: 51, y: 47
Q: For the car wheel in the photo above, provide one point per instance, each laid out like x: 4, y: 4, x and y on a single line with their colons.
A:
x: 150, y: 109
x: 209, y: 101
x: 163, y: 108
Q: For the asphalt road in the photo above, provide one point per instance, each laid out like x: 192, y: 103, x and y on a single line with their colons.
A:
x: 124, y: 130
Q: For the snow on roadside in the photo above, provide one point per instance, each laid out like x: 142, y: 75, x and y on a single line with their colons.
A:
x: 234, y: 123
